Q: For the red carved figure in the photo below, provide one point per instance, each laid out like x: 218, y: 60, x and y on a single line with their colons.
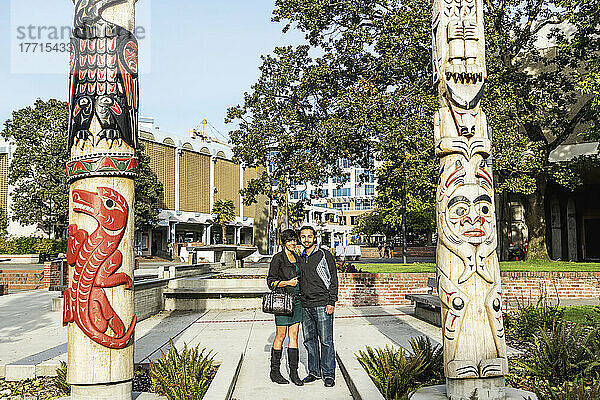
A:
x: 96, y: 259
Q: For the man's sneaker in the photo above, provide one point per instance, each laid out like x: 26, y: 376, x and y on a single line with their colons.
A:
x: 329, y: 382
x: 310, y: 378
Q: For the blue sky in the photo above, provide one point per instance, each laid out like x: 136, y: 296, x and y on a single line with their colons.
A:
x: 202, y: 56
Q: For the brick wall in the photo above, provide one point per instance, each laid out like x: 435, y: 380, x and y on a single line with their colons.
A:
x: 389, y: 289
x: 52, y: 273
x: 22, y: 279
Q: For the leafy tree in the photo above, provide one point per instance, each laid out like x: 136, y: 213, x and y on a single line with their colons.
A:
x: 369, y: 90
x: 371, y: 223
x: 297, y: 214
x: 38, y: 172
x: 148, y: 190
x: 225, y: 212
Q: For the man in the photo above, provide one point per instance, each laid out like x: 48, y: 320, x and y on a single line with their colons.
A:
x: 318, y: 292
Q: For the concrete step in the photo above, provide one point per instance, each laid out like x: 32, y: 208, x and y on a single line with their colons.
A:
x: 204, y: 304
x: 218, y: 284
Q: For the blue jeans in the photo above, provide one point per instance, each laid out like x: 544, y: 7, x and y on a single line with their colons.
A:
x: 317, y: 328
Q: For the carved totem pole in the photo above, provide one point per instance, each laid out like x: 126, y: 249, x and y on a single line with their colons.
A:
x: 468, y: 270
x: 103, y: 98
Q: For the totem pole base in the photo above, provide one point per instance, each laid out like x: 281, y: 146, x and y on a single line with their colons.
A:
x: 107, y: 391
x: 463, y: 389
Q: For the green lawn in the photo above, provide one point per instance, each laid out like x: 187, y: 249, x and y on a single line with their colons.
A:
x: 578, y: 314
x: 511, y: 266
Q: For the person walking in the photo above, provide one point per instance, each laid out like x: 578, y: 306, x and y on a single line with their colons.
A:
x: 319, y: 293
x: 283, y: 273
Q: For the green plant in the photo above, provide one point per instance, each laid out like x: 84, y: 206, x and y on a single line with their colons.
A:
x: 562, y: 354
x: 60, y: 381
x: 393, y: 371
x: 577, y: 390
x: 433, y: 359
x: 528, y: 319
x: 182, y: 376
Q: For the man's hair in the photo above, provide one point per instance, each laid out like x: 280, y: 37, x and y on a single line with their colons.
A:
x: 305, y: 227
x: 287, y: 235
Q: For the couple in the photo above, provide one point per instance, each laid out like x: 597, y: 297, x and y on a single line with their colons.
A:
x: 312, y: 277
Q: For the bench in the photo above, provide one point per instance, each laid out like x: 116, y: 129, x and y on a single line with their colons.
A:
x: 428, y: 306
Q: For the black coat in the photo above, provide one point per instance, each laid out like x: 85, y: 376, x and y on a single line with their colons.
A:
x: 281, y: 269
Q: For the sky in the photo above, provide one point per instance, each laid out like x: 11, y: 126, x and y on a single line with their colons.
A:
x: 197, y: 58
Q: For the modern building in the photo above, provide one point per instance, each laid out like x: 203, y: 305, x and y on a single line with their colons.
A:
x: 195, y: 172
x: 334, y: 206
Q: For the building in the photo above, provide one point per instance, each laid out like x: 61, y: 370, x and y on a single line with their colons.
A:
x: 334, y: 206
x: 195, y: 172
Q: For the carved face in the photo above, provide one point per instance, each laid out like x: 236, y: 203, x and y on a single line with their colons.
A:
x: 470, y: 213
x: 130, y: 54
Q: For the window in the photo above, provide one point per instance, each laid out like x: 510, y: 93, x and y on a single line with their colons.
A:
x: 298, y: 194
x: 363, y: 204
x: 320, y: 205
x: 337, y: 179
x: 353, y: 220
x: 344, y: 163
x: 319, y: 193
x: 365, y: 176
x: 341, y: 206
x: 370, y: 190
x: 342, y: 192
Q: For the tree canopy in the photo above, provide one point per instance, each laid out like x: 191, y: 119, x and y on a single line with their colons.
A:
x: 361, y: 85
x: 38, y: 173
x: 224, y: 209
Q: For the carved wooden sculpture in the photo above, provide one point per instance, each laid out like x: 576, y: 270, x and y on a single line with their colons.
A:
x: 98, y: 305
x: 468, y: 270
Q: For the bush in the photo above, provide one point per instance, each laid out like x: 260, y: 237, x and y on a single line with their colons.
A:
x: 578, y: 390
x: 528, y: 319
x: 182, y: 376
x: 31, y: 245
x: 565, y: 353
x: 60, y: 381
x: 344, y: 267
x: 433, y: 360
x: 396, y: 373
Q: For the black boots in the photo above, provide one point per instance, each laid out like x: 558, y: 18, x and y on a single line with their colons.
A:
x: 275, y: 363
x: 293, y: 362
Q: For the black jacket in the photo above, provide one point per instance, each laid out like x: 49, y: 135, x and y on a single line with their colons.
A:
x: 314, y: 276
x: 281, y: 269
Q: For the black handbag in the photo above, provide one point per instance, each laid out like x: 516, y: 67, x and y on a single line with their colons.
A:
x: 278, y: 302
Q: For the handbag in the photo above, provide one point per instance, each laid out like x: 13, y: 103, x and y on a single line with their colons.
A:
x: 278, y: 303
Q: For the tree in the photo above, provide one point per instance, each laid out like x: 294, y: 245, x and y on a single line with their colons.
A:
x: 225, y: 212
x: 297, y: 213
x: 148, y: 190
x: 37, y: 170
x: 371, y: 223
x: 370, y: 90
x: 38, y: 173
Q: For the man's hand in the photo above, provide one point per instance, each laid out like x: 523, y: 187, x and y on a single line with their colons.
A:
x: 329, y: 309
x: 292, y: 282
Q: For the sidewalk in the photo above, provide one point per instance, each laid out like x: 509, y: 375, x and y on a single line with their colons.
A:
x: 32, y: 339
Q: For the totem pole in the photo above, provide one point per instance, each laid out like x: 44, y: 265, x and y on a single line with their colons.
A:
x: 467, y: 264
x: 103, y: 98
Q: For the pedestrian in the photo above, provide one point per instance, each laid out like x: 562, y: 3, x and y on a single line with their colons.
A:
x: 283, y: 273
x: 380, y: 249
x: 319, y: 293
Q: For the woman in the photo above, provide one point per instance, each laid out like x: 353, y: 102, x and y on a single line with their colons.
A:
x: 283, y: 273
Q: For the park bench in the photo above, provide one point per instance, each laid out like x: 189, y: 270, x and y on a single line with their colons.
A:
x: 428, y: 306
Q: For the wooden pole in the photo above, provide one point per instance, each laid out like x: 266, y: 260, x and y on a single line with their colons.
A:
x: 467, y: 264
x: 103, y: 98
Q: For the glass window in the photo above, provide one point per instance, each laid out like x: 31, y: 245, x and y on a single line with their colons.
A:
x: 341, y: 192
x: 298, y: 194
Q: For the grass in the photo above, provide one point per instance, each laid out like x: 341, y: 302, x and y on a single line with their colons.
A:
x: 508, y: 266
x: 579, y: 314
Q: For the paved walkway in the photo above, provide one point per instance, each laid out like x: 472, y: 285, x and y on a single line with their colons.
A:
x: 31, y: 334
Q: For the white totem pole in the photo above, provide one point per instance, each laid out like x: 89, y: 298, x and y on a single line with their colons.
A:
x: 103, y: 99
x: 467, y: 264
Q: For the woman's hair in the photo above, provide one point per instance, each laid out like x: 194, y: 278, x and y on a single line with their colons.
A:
x: 288, y: 235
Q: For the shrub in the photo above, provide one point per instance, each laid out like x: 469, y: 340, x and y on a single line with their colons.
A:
x: 182, y: 376
x: 528, y: 319
x: 433, y: 360
x: 393, y: 371
x: 31, y: 245
x: 562, y: 354
x: 344, y: 267
x: 60, y: 381
x: 578, y: 390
